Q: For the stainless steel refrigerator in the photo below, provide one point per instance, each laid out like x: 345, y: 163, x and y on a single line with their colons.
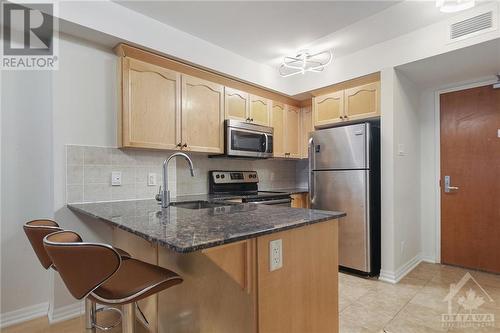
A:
x: 344, y: 168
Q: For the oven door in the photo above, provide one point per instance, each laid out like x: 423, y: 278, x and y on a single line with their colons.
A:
x: 248, y: 143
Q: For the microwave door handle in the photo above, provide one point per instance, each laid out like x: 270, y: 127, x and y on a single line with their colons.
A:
x: 267, y: 142
x: 311, y: 167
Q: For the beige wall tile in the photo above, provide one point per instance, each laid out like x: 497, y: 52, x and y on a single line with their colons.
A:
x: 97, y: 156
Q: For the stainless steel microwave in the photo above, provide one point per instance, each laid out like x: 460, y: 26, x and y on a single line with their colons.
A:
x: 244, y: 139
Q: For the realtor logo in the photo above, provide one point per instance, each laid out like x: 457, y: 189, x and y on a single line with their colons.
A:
x: 28, y: 36
x: 468, y: 296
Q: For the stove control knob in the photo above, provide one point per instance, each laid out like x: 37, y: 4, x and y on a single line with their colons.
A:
x: 222, y: 176
x: 217, y: 176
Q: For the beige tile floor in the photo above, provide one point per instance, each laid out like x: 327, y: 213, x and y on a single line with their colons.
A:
x: 414, y: 305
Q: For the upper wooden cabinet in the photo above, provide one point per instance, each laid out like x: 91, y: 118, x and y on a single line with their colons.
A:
x: 202, y: 115
x: 356, y: 103
x: 292, y: 132
x: 150, y: 106
x: 306, y: 127
x: 259, y: 110
x: 328, y: 108
x: 237, y: 104
x: 278, y: 123
x: 362, y: 102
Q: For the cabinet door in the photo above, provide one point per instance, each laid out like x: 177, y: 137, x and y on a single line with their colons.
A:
x: 278, y: 123
x: 362, y: 102
x: 292, y: 132
x: 306, y: 128
x: 328, y: 109
x: 259, y: 110
x: 202, y: 115
x: 237, y: 104
x: 150, y: 106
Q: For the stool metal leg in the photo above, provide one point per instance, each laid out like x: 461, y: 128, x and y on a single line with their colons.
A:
x: 128, y: 318
x: 90, y: 316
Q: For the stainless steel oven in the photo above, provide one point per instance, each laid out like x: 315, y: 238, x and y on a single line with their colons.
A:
x: 244, y: 139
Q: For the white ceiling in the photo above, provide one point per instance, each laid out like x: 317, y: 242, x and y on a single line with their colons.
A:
x: 259, y: 30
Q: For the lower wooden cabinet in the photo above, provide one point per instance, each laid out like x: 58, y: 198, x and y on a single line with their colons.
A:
x: 300, y: 200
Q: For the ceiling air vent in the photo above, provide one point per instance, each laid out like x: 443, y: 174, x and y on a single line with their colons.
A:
x: 471, y: 26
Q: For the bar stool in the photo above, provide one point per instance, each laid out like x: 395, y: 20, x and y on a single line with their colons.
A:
x: 97, y: 273
x: 36, y: 231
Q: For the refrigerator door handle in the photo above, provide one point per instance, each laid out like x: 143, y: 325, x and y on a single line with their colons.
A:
x: 311, y: 167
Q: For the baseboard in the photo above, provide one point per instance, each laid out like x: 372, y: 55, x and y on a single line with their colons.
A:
x: 24, y: 314
x: 396, y: 276
x: 66, y: 312
x: 431, y: 260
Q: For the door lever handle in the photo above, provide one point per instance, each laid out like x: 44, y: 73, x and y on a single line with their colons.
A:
x: 447, y: 185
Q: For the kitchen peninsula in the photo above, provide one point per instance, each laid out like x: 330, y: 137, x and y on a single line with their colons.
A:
x: 222, y: 251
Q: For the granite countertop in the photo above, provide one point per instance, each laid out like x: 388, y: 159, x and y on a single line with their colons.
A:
x: 186, y: 230
x: 290, y: 190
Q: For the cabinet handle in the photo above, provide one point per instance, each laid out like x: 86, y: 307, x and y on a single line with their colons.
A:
x: 248, y: 119
x: 184, y: 145
x: 179, y: 145
x: 251, y: 119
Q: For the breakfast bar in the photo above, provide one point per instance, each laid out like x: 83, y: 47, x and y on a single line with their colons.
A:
x: 232, y: 280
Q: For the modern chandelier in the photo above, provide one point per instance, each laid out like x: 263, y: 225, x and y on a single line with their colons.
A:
x: 453, y: 6
x: 305, y: 62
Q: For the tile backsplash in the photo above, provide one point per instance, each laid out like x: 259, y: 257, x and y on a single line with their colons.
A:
x: 88, y: 173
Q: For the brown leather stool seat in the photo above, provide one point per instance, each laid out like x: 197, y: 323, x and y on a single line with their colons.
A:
x: 98, y: 273
x: 133, y: 281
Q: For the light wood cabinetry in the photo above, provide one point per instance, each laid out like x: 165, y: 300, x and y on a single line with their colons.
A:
x: 354, y: 103
x: 292, y: 132
x: 236, y: 104
x: 300, y: 200
x: 302, y: 296
x: 306, y: 127
x: 362, y: 102
x: 278, y: 123
x: 259, y: 110
x: 202, y: 115
x: 328, y: 108
x: 151, y: 101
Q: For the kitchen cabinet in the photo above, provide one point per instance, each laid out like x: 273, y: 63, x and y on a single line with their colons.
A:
x: 328, y: 108
x: 292, y: 131
x: 259, y: 110
x: 300, y: 200
x: 360, y: 102
x: 306, y: 127
x: 150, y: 112
x: 236, y: 104
x: 278, y: 123
x: 202, y: 115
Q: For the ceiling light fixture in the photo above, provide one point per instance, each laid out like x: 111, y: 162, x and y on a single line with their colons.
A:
x: 453, y: 6
x: 305, y: 62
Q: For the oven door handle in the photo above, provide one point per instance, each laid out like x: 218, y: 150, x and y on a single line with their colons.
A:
x: 272, y: 202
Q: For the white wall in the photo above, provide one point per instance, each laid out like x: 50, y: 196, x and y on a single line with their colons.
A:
x: 26, y: 188
x: 400, y: 129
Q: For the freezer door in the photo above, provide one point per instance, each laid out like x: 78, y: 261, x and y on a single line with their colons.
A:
x: 341, y: 147
x: 347, y: 191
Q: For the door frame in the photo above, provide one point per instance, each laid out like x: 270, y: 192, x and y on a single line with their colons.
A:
x: 437, y: 144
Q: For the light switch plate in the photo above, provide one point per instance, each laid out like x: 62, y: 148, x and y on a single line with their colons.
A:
x: 151, y: 179
x: 275, y: 254
x: 116, y: 178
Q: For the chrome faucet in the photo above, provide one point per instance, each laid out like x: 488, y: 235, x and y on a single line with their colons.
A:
x: 164, y: 195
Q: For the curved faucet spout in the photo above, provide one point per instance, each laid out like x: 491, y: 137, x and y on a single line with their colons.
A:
x: 165, y: 194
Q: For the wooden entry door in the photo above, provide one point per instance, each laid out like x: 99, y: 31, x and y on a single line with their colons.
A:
x: 470, y: 155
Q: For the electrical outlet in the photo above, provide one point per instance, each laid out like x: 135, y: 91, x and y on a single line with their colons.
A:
x: 275, y: 254
x: 116, y: 178
x: 151, y: 179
